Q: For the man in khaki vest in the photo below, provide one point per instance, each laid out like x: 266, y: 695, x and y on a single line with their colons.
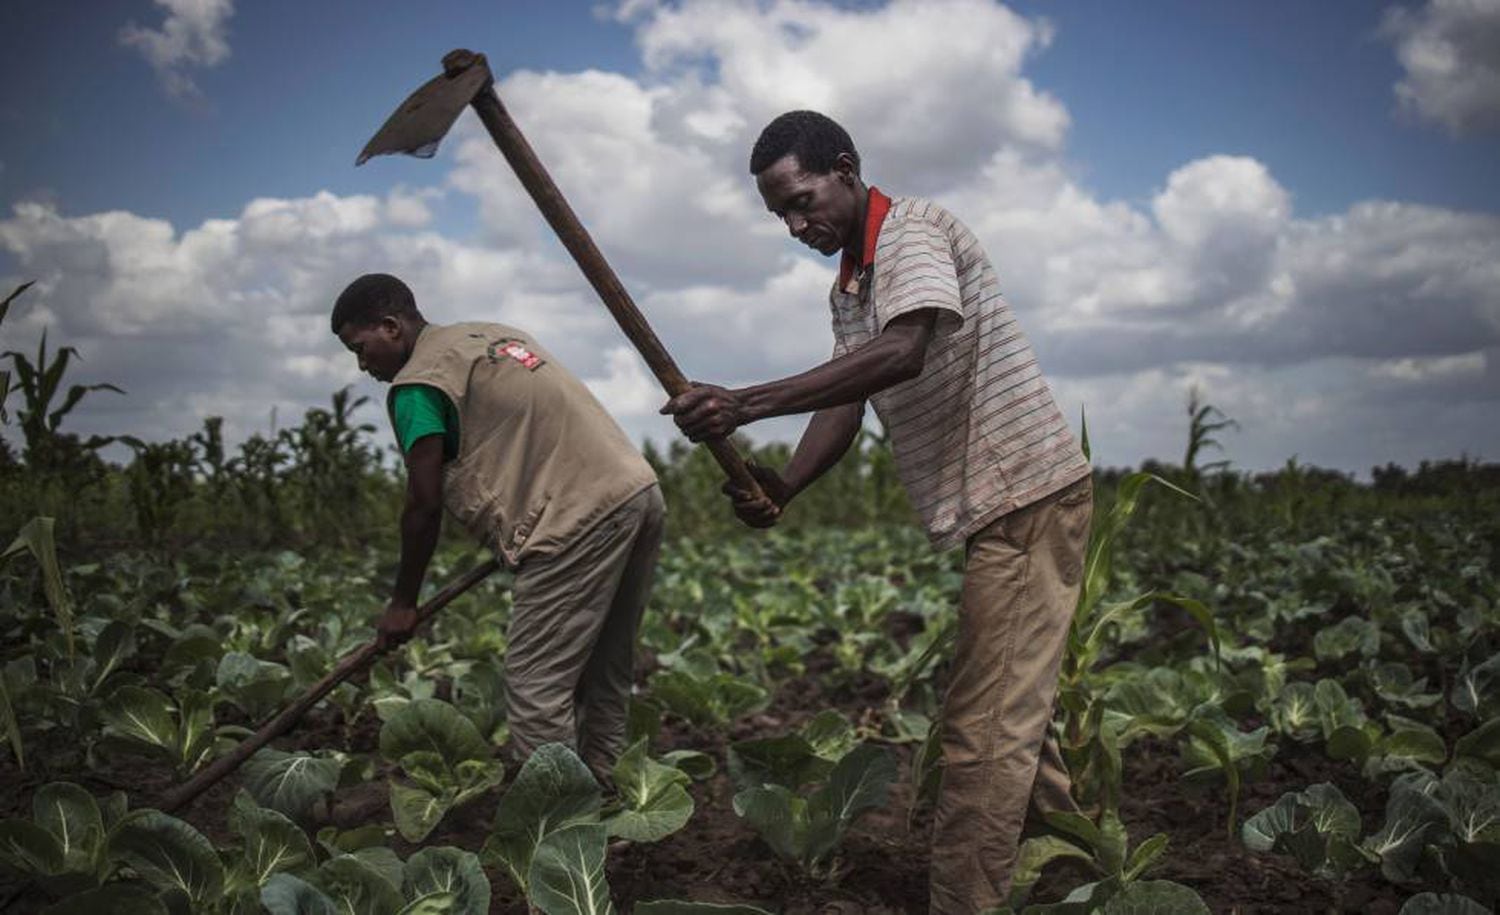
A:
x: 494, y: 429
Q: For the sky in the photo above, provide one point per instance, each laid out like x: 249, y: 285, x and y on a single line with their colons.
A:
x: 1293, y: 207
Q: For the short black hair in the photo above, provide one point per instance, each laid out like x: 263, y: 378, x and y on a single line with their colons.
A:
x: 372, y: 297
x: 815, y: 139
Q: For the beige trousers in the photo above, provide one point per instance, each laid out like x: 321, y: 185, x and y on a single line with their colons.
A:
x: 570, y: 658
x: 1022, y: 574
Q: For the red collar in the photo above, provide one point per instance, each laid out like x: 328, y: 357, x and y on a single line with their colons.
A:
x: 876, y: 206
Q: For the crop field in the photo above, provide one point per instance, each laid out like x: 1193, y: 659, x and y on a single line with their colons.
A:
x: 1281, y: 693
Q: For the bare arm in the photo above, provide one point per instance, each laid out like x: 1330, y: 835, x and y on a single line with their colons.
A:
x: 898, y: 354
x: 421, y: 523
x: 828, y: 436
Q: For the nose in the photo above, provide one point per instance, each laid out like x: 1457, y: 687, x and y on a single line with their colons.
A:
x: 796, y: 225
x: 362, y: 366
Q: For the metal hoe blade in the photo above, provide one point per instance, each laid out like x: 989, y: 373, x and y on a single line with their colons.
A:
x: 424, y: 118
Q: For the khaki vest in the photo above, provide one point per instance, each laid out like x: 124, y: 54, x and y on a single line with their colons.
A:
x: 539, y: 459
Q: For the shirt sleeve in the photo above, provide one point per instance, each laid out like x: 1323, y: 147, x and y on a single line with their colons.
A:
x: 914, y: 269
x: 417, y: 411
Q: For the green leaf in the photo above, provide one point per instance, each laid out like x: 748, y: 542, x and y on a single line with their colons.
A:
x: 778, y: 816
x: 1478, y: 689
x: 678, y: 907
x: 567, y: 872
x: 439, y: 903
x: 1335, y: 708
x: 29, y: 849
x: 1155, y: 897
x: 142, y: 716
x: 1260, y: 832
x: 114, y: 899
x: 115, y: 644
x: 272, y: 843
x: 643, y: 721
x: 1413, y: 816
x: 72, y: 816
x: 1472, y: 803
x: 356, y: 887
x: 1413, y: 743
x: 1481, y: 743
x: 290, y: 783
x: 1145, y: 856
x: 36, y: 537
x: 285, y: 894
x: 11, y: 726
x: 656, y: 803
x: 1442, y: 904
x: 1035, y: 854
x: 170, y: 854
x: 1393, y: 683
x: 195, y: 729
x: 787, y: 760
x: 256, y: 686
x: 1348, y: 742
x: 1329, y: 811
x: 857, y: 784
x: 452, y: 871
x: 553, y: 790
x: 417, y: 810
x: 698, y: 765
x: 432, y: 725
x: 830, y: 735
x: 1349, y: 635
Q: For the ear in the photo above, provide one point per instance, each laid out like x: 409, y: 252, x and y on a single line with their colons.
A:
x: 391, y: 326
x: 845, y: 168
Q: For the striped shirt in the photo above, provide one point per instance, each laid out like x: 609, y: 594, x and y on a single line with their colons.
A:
x: 977, y: 434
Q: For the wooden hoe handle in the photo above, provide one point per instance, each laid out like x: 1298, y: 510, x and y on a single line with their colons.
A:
x: 351, y: 664
x: 600, y: 275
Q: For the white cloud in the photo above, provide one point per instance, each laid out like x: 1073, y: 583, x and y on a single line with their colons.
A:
x: 1449, y: 51
x: 1331, y: 337
x: 195, y: 34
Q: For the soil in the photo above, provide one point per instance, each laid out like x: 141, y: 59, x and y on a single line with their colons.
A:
x: 882, y: 867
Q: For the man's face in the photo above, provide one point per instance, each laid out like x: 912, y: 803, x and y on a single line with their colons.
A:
x: 821, y: 211
x: 379, y: 347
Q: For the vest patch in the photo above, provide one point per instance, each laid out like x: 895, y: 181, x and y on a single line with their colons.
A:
x: 516, y: 350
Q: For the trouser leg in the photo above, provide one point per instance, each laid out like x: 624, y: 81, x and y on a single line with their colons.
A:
x: 1021, y: 581
x: 562, y: 604
x: 604, y: 691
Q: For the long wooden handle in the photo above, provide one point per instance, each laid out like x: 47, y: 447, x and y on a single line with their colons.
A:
x: 600, y: 275
x: 352, y: 663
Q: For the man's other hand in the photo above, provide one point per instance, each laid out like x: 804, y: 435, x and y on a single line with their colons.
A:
x: 706, y: 411
x: 760, y: 511
x: 395, y: 625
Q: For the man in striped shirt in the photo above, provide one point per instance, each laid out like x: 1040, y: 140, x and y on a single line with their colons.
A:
x: 921, y: 332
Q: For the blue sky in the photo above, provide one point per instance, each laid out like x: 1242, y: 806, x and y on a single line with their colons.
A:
x: 1202, y: 183
x: 1304, y: 87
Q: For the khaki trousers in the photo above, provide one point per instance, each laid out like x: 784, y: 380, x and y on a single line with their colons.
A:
x: 569, y: 664
x: 1022, y: 574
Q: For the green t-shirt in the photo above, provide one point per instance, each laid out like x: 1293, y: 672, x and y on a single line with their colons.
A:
x: 419, y: 410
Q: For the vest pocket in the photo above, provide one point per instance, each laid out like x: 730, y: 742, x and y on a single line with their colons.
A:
x: 516, y: 538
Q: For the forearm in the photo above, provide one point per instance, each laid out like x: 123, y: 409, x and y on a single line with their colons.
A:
x: 848, y: 380
x: 421, y: 523
x: 827, y: 438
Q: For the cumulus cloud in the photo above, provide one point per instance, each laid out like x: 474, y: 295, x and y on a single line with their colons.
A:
x: 194, y: 34
x: 1449, y: 51
x: 231, y: 316
x: 1329, y: 337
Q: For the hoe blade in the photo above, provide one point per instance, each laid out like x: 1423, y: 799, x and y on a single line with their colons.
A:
x: 425, y: 117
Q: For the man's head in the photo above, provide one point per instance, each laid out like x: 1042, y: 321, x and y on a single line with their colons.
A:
x: 376, y: 318
x: 807, y: 170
